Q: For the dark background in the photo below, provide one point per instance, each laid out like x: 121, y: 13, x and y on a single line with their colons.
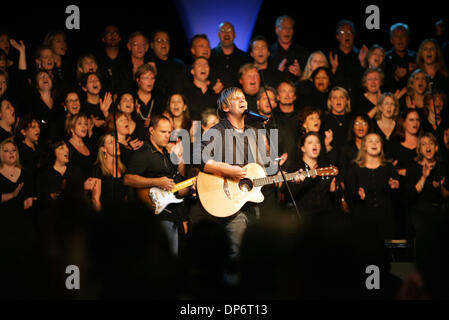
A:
x: 315, y: 28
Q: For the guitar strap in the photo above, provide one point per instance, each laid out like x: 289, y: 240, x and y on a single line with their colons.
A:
x: 175, y: 169
x: 177, y: 177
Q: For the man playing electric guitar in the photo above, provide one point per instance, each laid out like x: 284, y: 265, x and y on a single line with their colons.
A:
x: 151, y: 166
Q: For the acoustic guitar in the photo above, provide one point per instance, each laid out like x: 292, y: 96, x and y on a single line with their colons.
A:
x: 222, y: 197
x: 159, y: 199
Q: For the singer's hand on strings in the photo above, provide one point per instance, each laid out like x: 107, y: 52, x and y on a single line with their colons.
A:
x: 299, y: 177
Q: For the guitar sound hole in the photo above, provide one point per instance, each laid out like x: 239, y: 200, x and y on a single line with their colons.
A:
x: 246, y: 185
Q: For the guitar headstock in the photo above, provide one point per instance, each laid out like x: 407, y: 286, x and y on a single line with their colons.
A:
x: 330, y: 171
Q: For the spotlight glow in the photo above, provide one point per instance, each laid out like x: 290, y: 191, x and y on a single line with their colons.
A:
x: 204, y: 16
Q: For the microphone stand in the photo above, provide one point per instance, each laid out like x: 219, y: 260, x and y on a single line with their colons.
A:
x: 289, y: 191
x: 115, y: 151
x: 438, y: 161
x: 279, y: 163
x: 269, y: 102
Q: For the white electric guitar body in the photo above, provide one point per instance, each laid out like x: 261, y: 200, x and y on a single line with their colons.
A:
x: 159, y: 199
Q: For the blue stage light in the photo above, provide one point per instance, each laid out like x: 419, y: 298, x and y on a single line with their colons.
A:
x: 204, y: 16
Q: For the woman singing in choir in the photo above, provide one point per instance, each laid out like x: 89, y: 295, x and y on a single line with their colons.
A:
x: 109, y: 169
x: 368, y: 189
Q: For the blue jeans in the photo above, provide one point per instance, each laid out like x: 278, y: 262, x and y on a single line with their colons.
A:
x: 171, y: 230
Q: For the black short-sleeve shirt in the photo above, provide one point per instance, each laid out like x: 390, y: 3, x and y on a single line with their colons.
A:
x: 148, y: 162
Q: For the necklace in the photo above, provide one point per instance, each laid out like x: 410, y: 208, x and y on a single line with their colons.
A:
x: 149, y: 111
x: 76, y: 142
x: 9, y: 174
x: 340, y: 123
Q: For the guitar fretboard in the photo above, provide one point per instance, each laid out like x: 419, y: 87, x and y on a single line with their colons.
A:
x: 183, y: 184
x: 259, y: 182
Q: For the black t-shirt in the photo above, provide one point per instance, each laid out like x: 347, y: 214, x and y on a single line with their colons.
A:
x: 4, y: 134
x: 313, y: 194
x: 226, y: 67
x: 361, y: 105
x: 51, y: 181
x: 398, y: 152
x: 8, y: 186
x: 169, y: 72
x: 377, y: 208
x: 29, y: 158
x: 339, y: 124
x: 150, y: 163
x: 349, y: 72
x: 83, y: 162
x: 387, y: 141
x: 48, y: 117
x: 116, y: 75
x: 295, y: 51
x: 197, y: 101
x: 429, y: 195
x: 314, y: 98
x: 252, y: 102
x: 154, y: 106
x: 392, y: 61
x: 271, y: 77
x: 348, y: 153
x: 16, y: 224
x: 112, y: 189
x: 92, y: 109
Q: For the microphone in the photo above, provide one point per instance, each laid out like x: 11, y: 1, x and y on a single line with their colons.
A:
x: 256, y: 115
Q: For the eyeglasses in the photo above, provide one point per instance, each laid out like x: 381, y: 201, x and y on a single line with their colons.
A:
x: 226, y: 30
x: 161, y: 40
x: 361, y: 123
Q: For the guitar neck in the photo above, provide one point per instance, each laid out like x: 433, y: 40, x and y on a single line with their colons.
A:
x: 184, y: 184
x: 278, y: 178
x: 331, y: 171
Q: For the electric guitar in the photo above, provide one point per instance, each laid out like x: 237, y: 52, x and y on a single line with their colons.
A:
x: 159, y: 199
x: 222, y: 197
